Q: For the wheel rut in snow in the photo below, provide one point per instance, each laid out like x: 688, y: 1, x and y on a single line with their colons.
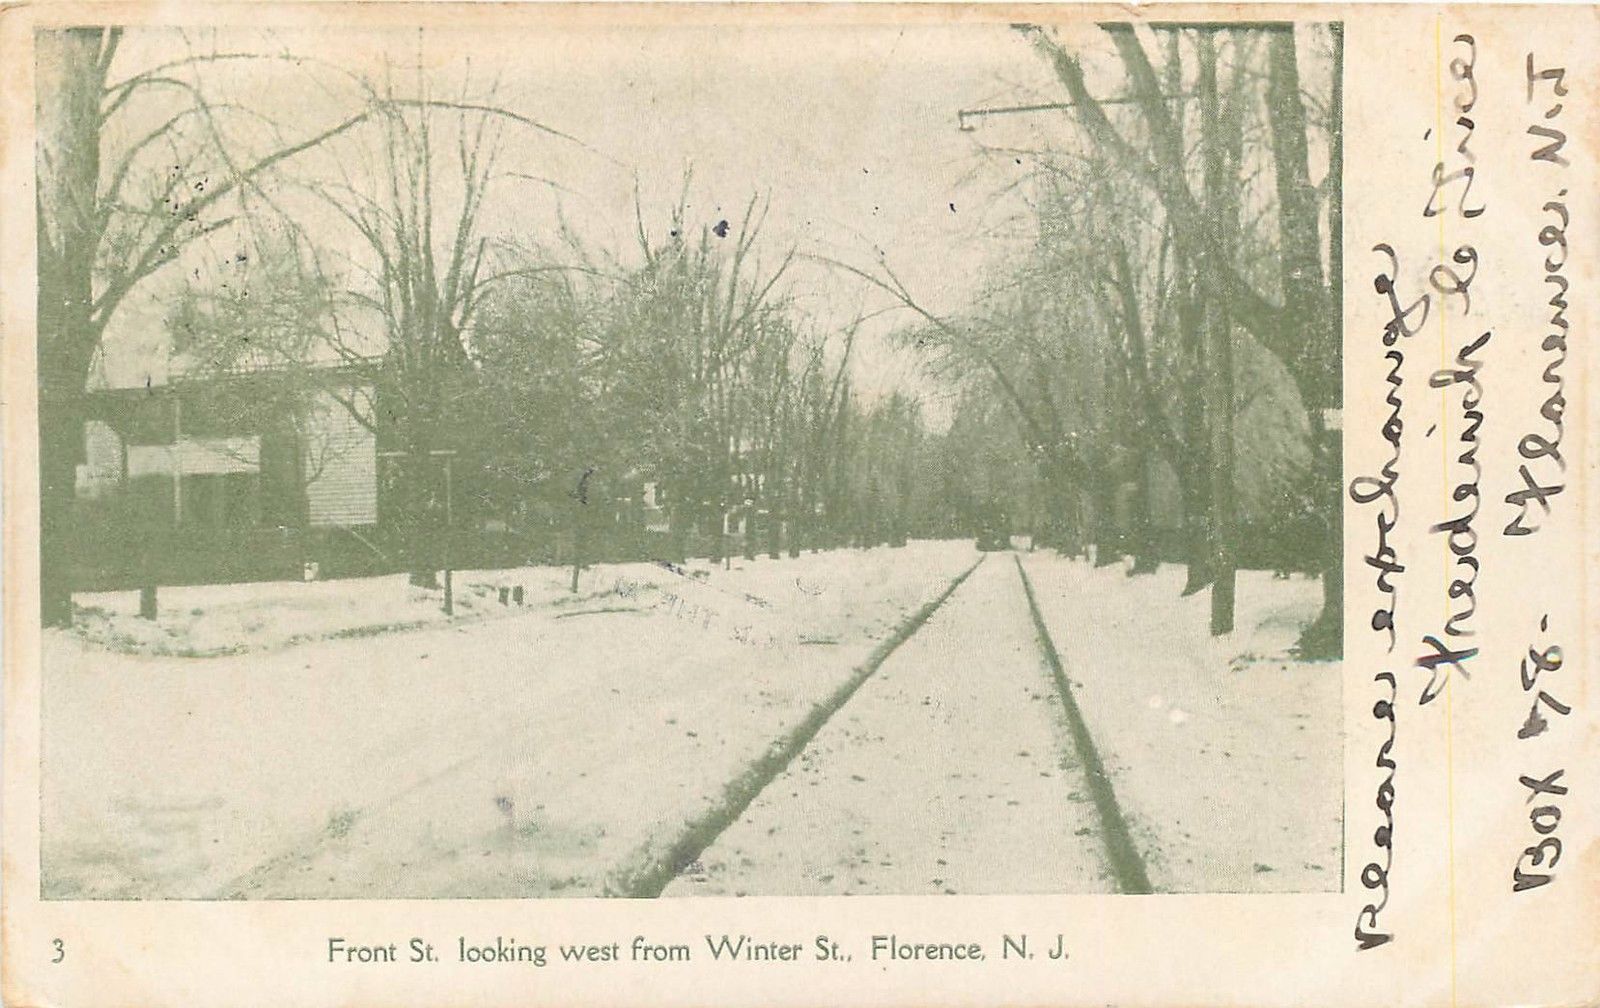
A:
x: 655, y: 876
x: 1126, y: 862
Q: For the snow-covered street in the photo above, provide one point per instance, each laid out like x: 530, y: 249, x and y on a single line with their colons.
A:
x: 949, y: 772
x: 1225, y: 752
x: 536, y: 753
x: 556, y: 748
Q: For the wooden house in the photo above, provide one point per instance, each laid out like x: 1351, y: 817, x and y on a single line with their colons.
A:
x: 176, y: 480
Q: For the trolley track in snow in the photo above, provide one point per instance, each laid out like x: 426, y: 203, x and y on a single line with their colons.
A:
x: 1126, y: 862
x: 955, y: 760
x: 660, y: 872
x: 941, y: 763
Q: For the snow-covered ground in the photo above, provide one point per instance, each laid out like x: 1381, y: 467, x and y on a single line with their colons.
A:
x: 1224, y: 752
x: 950, y: 771
x: 535, y: 753
x: 203, y: 621
x: 555, y: 748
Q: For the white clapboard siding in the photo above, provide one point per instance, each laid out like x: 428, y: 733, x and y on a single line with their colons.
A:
x: 341, y: 467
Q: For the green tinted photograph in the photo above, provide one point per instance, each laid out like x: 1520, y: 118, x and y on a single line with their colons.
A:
x: 755, y: 457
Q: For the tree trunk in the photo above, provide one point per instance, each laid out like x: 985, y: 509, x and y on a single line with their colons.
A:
x: 1221, y: 527
x: 1220, y: 212
x: 60, y: 433
x: 1143, y: 543
x: 1194, y: 460
x: 722, y: 541
x: 1314, y: 307
x: 72, y: 69
x: 796, y: 531
x: 1196, y: 536
x: 421, y: 538
x: 1102, y: 521
x: 1324, y: 637
x: 580, y: 547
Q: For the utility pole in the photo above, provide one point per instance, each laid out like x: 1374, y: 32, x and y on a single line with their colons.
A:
x: 177, y: 459
x: 964, y: 115
x: 449, y: 530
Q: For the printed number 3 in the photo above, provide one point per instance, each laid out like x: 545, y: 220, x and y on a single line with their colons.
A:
x: 61, y: 949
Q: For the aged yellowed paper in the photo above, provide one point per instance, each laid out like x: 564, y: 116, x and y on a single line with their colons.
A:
x: 680, y: 504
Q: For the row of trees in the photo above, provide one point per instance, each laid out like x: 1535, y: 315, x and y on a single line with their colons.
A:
x: 1168, y: 351
x: 579, y: 381
x: 1160, y: 363
x: 367, y: 261
x: 691, y: 370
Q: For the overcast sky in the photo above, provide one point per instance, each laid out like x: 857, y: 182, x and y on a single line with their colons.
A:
x: 851, y: 131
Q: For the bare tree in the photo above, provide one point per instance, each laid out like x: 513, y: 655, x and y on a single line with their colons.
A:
x: 117, y: 202
x: 1298, y: 328
x: 391, y: 344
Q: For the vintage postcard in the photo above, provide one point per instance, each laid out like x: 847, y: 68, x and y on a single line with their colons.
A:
x: 541, y: 504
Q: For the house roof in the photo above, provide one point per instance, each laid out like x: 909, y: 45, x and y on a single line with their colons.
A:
x: 139, y: 352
